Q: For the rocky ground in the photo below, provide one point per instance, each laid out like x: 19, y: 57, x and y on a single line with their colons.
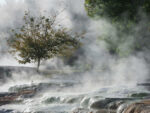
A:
x: 136, y: 107
x: 135, y: 103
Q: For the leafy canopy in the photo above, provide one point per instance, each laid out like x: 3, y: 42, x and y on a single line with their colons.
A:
x: 40, y: 38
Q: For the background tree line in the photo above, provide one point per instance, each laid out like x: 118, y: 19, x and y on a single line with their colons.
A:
x: 131, y: 19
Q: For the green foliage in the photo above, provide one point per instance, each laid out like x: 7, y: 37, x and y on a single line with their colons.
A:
x: 40, y: 38
x: 131, y: 20
x: 116, y: 9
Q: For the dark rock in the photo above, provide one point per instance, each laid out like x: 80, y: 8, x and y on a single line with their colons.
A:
x: 24, y: 90
x: 140, y: 95
x: 28, y: 91
x: 115, y: 105
x: 8, y: 111
x: 52, y: 100
x: 122, y: 107
x: 11, y: 97
x: 6, y: 98
x: 101, y: 104
x: 5, y: 94
x: 72, y: 100
x: 139, y: 107
x: 106, y: 103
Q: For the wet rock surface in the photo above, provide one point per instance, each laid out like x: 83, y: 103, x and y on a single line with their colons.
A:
x: 17, y: 94
x: 20, y: 94
x: 109, y: 103
x: 8, y: 111
x: 140, y: 95
x: 8, y: 97
x: 39, y: 87
x: 139, y: 107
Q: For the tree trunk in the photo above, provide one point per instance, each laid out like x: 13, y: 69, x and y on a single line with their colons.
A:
x: 38, y: 65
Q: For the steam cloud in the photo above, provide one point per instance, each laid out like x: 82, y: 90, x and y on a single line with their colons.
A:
x: 102, y: 67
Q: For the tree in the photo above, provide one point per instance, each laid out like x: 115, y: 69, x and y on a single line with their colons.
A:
x: 131, y: 20
x: 116, y: 9
x: 41, y: 38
